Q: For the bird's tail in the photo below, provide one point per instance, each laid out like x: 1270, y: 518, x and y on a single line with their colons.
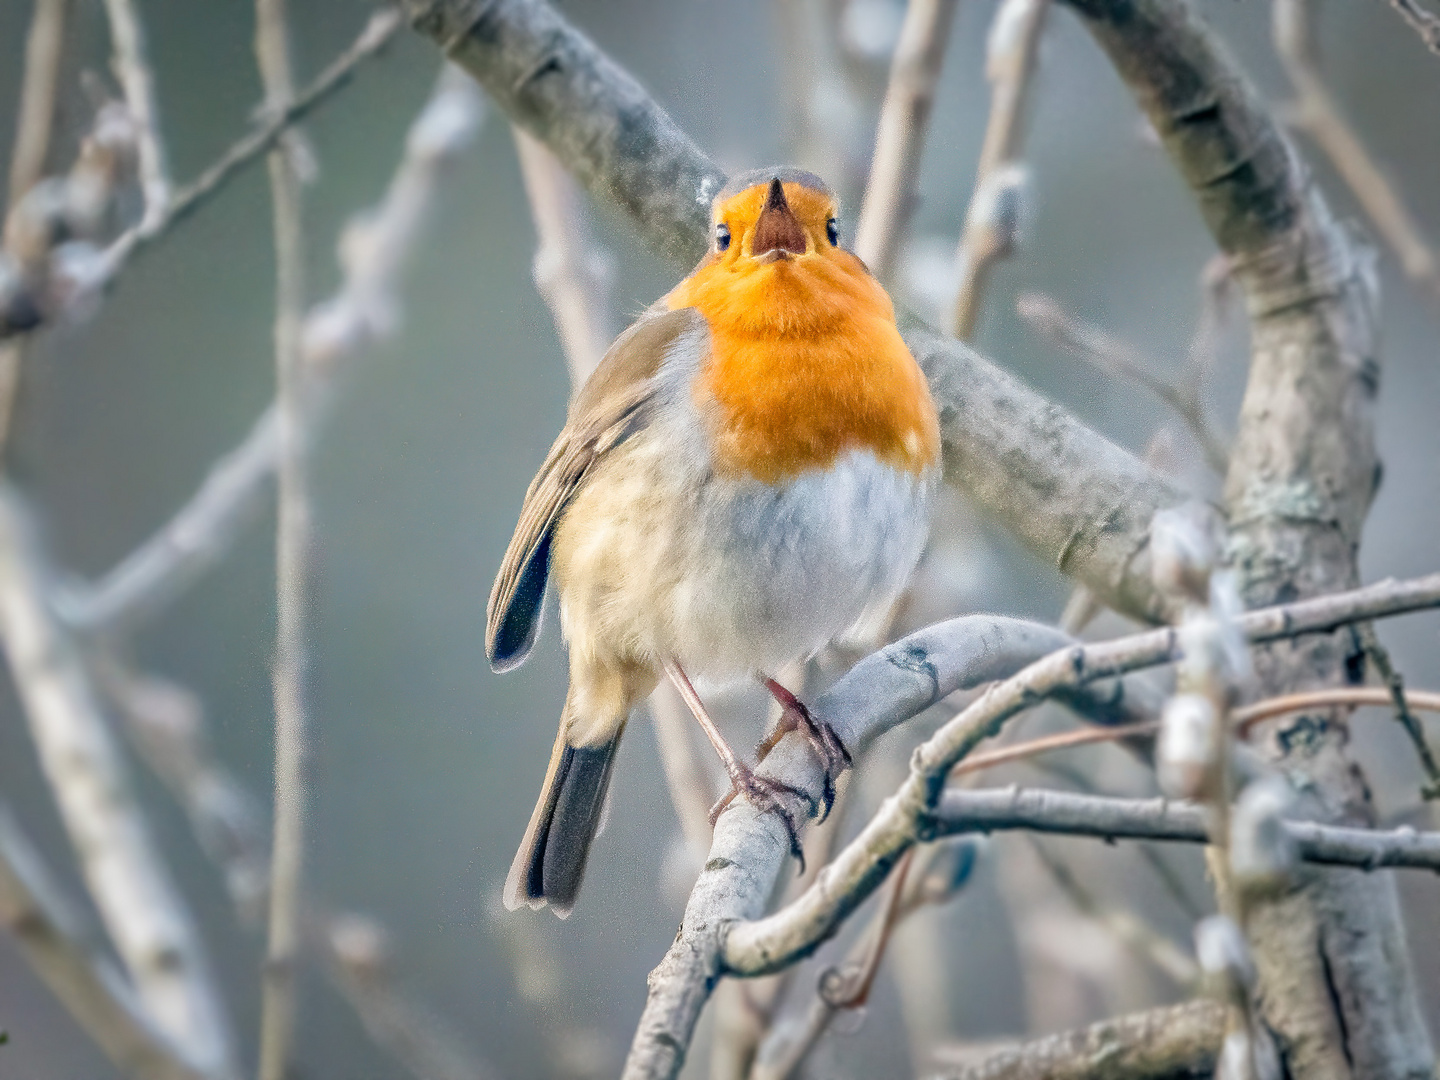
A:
x: 550, y: 864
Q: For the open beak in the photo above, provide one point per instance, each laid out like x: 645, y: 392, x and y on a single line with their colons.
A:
x: 778, y: 234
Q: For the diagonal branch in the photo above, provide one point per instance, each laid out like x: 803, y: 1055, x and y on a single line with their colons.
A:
x: 1424, y: 23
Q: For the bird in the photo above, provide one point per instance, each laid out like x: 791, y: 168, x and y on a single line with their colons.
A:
x: 746, y: 477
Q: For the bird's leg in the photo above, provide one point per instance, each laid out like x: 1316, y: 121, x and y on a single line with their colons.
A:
x: 794, y: 716
x: 760, y: 791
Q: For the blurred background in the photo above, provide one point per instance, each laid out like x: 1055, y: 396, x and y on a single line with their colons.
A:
x: 426, y: 764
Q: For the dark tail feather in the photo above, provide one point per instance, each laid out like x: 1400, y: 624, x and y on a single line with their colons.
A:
x: 550, y: 864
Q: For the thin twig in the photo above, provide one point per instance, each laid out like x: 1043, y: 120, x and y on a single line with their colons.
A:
x: 900, y: 138
x: 53, y: 939
x: 1103, y: 817
x: 992, y: 219
x: 1315, y: 112
x: 1423, y: 22
x: 1119, y: 360
x: 571, y: 273
x: 293, y: 557
x: 137, y: 80
x: 145, y: 915
x: 1395, y: 683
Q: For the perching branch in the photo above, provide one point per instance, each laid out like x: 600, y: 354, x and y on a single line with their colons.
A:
x: 992, y: 219
x: 752, y: 948
x: 147, y: 920
x: 52, y: 939
x: 137, y: 80
x: 1161, y: 1044
x: 900, y: 138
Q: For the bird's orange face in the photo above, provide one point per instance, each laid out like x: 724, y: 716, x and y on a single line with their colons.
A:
x: 776, y: 266
x: 806, y: 362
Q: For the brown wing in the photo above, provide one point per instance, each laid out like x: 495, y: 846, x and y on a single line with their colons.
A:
x: 609, y: 408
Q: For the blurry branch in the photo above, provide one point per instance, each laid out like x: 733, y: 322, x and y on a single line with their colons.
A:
x: 1161, y: 1044
x: 1423, y: 22
x: 1247, y: 715
x: 572, y: 275
x: 166, y: 725
x: 34, y: 121
x: 52, y: 938
x: 146, y: 917
x: 770, y: 943
x: 890, y: 193
x: 294, y: 558
x: 34, y: 117
x: 1065, y: 813
x: 993, y: 217
x: 1119, y: 360
x: 137, y: 81
x: 1315, y: 112
x: 64, y: 279
x: 373, y: 252
x: 1145, y: 942
x: 362, y: 967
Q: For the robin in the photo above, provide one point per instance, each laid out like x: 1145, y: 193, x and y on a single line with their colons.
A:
x: 746, y: 477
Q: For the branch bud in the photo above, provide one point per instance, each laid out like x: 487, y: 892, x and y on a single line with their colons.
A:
x: 1262, y: 854
x: 1186, y: 747
x: 1225, y: 959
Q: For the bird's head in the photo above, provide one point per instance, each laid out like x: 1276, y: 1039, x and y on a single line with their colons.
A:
x: 775, y: 258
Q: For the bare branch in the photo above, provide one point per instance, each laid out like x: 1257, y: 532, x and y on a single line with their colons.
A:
x: 147, y: 920
x: 571, y: 273
x: 53, y: 940
x: 900, y: 138
x: 1423, y: 22
x: 374, y: 251
x: 992, y: 218
x: 44, y: 47
x: 1121, y: 361
x: 132, y: 68
x: 294, y: 543
x: 791, y: 933
x: 1315, y: 112
x: 1162, y: 1044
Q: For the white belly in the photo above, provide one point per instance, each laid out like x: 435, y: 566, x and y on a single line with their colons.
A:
x: 733, y: 577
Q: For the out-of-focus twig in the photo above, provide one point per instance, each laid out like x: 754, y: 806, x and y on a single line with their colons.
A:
x: 571, y: 273
x: 992, y: 219
x: 1131, y: 931
x: 374, y: 250
x: 137, y: 80
x: 1402, y: 701
x: 26, y: 303
x: 1423, y: 22
x: 53, y: 939
x: 294, y: 541
x: 1119, y: 360
x: 1315, y: 112
x: 900, y: 137
x: 153, y: 932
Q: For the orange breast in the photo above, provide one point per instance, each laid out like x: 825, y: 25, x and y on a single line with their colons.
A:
x: 807, y: 364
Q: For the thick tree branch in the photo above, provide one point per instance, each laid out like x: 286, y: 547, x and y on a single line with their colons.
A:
x: 1174, y: 1043
x: 1334, y: 980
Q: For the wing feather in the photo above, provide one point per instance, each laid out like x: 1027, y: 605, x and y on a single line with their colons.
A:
x: 610, y: 407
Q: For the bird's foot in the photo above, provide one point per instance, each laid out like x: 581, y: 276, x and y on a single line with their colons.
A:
x: 765, y: 795
x: 794, y: 716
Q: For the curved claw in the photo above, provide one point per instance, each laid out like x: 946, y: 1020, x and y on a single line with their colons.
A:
x: 794, y: 716
x: 766, y: 795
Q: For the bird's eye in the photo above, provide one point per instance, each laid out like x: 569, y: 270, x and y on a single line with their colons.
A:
x: 722, y: 236
x: 833, y: 232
